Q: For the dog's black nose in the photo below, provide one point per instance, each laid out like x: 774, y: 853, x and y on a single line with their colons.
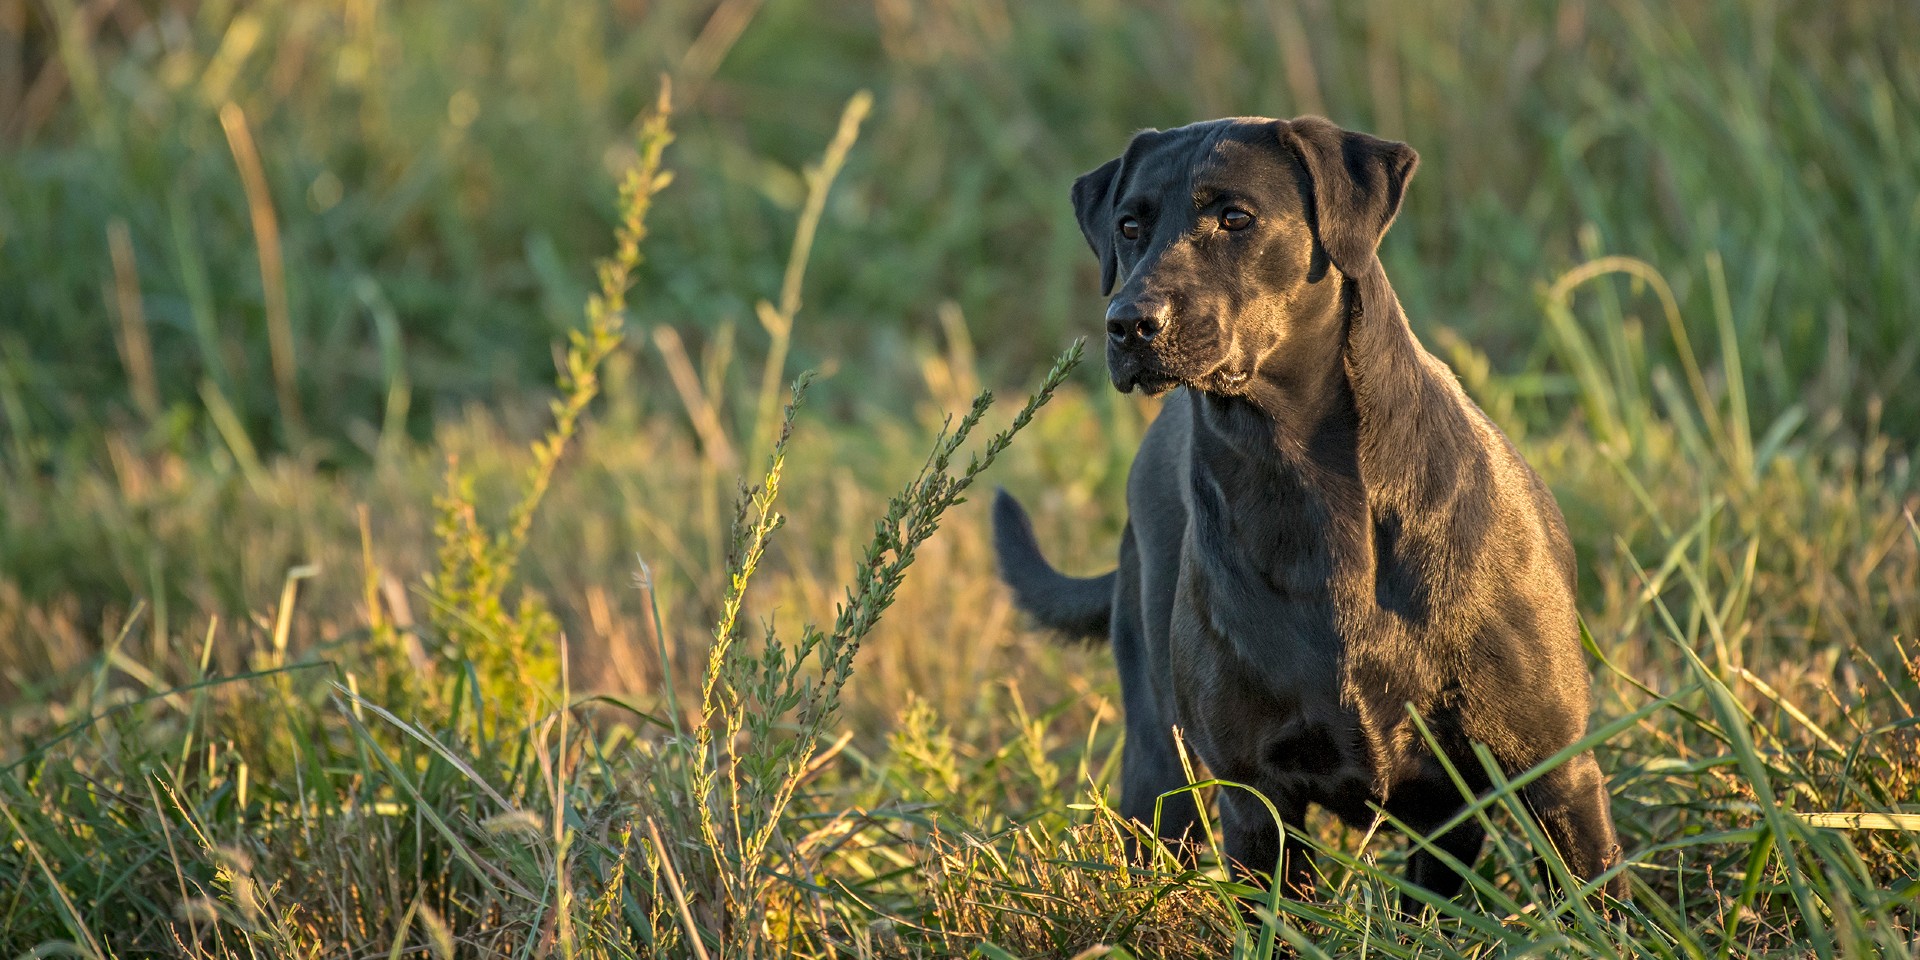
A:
x: 1135, y: 321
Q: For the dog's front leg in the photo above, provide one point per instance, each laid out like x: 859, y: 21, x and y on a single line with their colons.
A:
x: 1425, y: 868
x: 1150, y: 767
x: 1255, y: 844
x: 1149, y: 773
x: 1573, y: 808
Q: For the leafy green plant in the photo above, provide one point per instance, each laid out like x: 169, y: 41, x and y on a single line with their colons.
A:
x: 763, y: 716
x: 512, y: 650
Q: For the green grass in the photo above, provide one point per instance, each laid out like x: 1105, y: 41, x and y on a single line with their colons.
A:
x: 321, y: 636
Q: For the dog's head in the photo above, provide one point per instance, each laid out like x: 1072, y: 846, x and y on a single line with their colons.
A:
x: 1222, y: 237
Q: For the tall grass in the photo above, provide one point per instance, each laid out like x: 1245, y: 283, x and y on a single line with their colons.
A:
x: 401, y: 649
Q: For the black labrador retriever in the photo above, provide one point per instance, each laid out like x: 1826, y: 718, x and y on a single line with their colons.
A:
x: 1324, y: 532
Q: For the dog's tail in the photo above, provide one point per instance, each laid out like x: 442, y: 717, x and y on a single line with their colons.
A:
x: 1076, y: 607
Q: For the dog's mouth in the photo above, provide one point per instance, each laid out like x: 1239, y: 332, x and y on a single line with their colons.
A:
x: 1207, y: 363
x: 1154, y: 380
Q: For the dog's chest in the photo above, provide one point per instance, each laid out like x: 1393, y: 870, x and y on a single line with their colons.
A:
x: 1258, y: 668
x: 1271, y: 571
x: 1275, y: 599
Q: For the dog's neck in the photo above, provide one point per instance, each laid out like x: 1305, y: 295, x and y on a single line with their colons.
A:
x: 1288, y: 441
x: 1333, y: 421
x: 1297, y: 413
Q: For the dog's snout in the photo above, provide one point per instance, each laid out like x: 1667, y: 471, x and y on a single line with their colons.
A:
x: 1136, y: 321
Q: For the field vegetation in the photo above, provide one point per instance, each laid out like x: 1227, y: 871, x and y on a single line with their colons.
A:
x: 504, y: 478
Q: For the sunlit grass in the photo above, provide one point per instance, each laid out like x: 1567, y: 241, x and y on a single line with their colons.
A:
x: 275, y: 687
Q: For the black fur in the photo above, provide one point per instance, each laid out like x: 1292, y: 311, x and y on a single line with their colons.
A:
x: 1324, y: 530
x: 1076, y: 607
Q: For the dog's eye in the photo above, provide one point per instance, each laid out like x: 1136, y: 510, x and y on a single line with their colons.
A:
x: 1234, y: 218
x: 1130, y: 228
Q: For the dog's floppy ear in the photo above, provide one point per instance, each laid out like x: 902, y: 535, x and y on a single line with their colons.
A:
x: 1093, y: 205
x: 1358, y: 181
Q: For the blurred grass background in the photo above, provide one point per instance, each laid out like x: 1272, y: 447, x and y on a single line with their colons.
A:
x: 435, y: 172
x: 265, y: 267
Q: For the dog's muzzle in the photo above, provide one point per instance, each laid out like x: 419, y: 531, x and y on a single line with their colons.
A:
x: 1132, y: 325
x: 1133, y: 322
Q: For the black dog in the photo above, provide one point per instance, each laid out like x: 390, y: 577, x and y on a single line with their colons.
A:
x: 1324, y: 530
